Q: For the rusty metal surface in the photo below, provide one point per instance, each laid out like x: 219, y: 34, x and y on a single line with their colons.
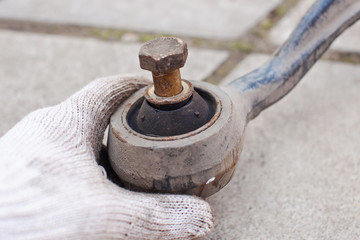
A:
x: 163, y: 57
x: 163, y: 54
x: 169, y: 84
x: 186, y: 93
x: 200, y: 162
x: 213, y: 184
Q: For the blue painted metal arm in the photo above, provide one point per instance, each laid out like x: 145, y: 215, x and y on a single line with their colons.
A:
x: 323, y: 22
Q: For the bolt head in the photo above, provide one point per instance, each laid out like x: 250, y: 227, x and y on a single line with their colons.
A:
x: 163, y: 54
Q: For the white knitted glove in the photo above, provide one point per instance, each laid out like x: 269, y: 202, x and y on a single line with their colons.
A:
x: 52, y: 188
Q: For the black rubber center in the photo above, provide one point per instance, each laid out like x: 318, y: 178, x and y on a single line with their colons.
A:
x: 172, y: 120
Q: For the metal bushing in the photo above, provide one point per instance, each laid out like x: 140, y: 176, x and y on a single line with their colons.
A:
x: 186, y: 92
x: 199, y: 162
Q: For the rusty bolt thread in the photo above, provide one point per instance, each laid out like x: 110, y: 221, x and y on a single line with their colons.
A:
x: 163, y: 57
x: 169, y: 84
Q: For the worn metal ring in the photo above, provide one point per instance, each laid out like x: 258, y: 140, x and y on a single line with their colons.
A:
x: 186, y: 93
x: 199, y: 163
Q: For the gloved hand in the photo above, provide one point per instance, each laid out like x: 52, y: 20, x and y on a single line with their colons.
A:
x: 52, y: 188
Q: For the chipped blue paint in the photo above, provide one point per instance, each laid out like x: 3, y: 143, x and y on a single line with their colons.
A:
x: 320, y: 26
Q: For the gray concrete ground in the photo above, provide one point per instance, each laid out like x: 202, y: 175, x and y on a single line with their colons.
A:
x: 298, y: 175
x: 348, y: 41
x: 190, y: 18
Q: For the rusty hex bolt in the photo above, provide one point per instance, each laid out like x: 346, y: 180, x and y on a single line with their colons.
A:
x: 163, y: 57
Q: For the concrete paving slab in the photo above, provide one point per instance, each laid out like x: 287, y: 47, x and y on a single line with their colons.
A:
x: 219, y: 19
x: 348, y: 41
x: 41, y: 70
x: 298, y: 176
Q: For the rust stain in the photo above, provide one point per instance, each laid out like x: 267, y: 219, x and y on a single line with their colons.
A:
x: 186, y: 91
x: 222, y: 178
x: 168, y: 84
x: 117, y: 134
